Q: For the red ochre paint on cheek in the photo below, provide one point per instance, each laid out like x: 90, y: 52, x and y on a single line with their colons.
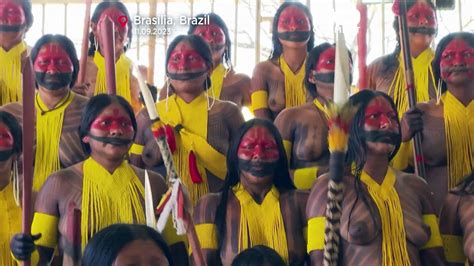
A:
x: 108, y: 123
x: 326, y: 61
x: 11, y: 13
x: 258, y: 142
x: 457, y: 54
x: 6, y: 138
x: 211, y: 33
x: 293, y: 19
x: 378, y: 113
x: 185, y: 59
x: 53, y: 56
x: 421, y: 14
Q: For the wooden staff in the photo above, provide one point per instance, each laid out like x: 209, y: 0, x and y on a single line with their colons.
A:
x: 85, y: 44
x: 150, y: 75
x: 175, y: 202
x: 410, y: 84
x: 107, y: 35
x: 362, y: 45
x: 28, y: 142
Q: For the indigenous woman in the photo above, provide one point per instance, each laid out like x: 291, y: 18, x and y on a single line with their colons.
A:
x: 448, y: 124
x: 127, y: 85
x: 387, y: 73
x: 386, y: 217
x: 278, y: 83
x: 104, y: 187
x: 226, y: 84
x: 58, y: 108
x: 10, y: 219
x: 199, y: 127
x: 303, y: 129
x: 457, y: 224
x: 258, y: 204
x: 15, y: 20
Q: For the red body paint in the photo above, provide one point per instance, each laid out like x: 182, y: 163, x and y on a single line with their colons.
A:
x: 457, y: 59
x: 6, y: 138
x: 326, y: 61
x: 211, y: 33
x: 184, y: 58
x: 258, y: 143
x: 108, y: 123
x: 293, y: 19
x: 11, y: 13
x: 52, y: 58
x: 117, y: 17
x: 421, y: 14
x: 379, y: 114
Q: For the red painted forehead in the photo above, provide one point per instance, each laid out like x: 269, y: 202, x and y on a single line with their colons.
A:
x: 6, y: 137
x: 378, y: 110
x: 457, y: 46
x: 211, y: 32
x: 184, y: 57
x: 326, y: 61
x: 53, y: 54
x: 258, y: 140
x: 293, y: 18
x: 457, y: 57
x: 421, y: 13
x: 113, y: 117
x: 11, y: 13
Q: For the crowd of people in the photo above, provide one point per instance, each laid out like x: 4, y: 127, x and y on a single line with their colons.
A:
x: 257, y: 190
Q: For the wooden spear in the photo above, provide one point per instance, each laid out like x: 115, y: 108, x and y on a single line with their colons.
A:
x: 28, y: 142
x: 107, y: 36
x: 410, y: 83
x: 362, y: 45
x: 85, y: 44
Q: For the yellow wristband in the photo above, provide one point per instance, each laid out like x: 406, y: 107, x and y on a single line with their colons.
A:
x: 259, y: 100
x: 435, y: 238
x: 453, y: 249
x: 316, y: 226
x: 207, y: 235
x: 136, y: 149
x: 47, y: 226
x: 304, y: 177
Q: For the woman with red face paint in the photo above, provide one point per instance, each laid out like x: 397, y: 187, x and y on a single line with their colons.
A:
x: 15, y: 20
x: 95, y: 79
x: 258, y: 203
x: 278, y: 83
x: 226, y: 84
x: 387, y: 216
x: 447, y: 125
x: 104, y: 187
x: 10, y: 150
x: 58, y: 109
x: 387, y: 74
x: 199, y: 128
x: 303, y: 129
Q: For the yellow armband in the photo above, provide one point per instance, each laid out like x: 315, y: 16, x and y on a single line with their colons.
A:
x: 47, y: 226
x: 34, y: 259
x: 304, y: 177
x: 207, y: 235
x: 453, y: 249
x: 288, y: 145
x: 259, y: 100
x: 136, y: 149
x: 316, y: 226
x: 435, y: 237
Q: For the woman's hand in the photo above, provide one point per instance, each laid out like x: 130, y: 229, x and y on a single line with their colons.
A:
x: 23, y: 245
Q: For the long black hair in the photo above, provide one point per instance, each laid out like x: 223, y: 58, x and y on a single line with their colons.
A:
x: 259, y: 255
x: 281, y: 180
x: 216, y: 19
x: 94, y: 107
x: 66, y: 44
x: 312, y: 60
x: 199, y: 44
x: 105, y: 246
x: 26, y: 6
x: 466, y: 186
x: 95, y: 18
x: 468, y: 37
x: 392, y: 59
x: 277, y: 48
x: 357, y: 148
x: 15, y: 129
